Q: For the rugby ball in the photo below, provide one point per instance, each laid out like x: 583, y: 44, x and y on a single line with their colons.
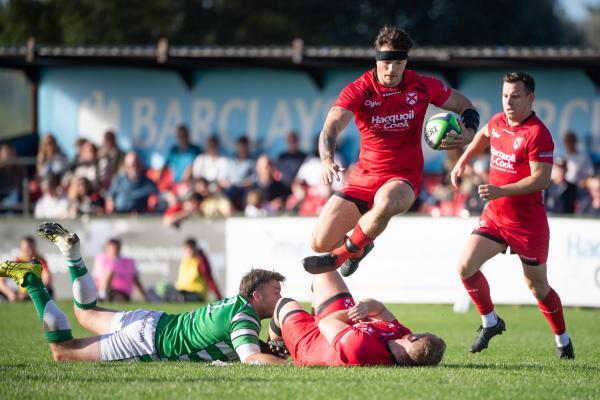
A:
x: 438, y: 126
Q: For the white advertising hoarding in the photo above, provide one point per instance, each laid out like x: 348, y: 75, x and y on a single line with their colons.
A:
x: 414, y: 260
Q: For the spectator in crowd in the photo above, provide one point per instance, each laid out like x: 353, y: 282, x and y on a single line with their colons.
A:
x: 130, y: 190
x: 579, y: 164
x: 53, y: 204
x: 474, y: 204
x: 303, y: 201
x: 274, y: 193
x: 79, y: 142
x: 115, y: 275
x: 27, y: 252
x: 11, y: 178
x: 289, y: 162
x: 211, y: 165
x: 177, y: 213
x: 194, y: 279
x: 83, y: 199
x: 86, y: 166
x: 240, y: 173
x: 561, y: 196
x: 110, y: 158
x: 8, y: 291
x: 255, y: 206
x: 50, y: 158
x: 444, y: 191
x: 198, y: 200
x: 181, y: 156
x: 590, y: 204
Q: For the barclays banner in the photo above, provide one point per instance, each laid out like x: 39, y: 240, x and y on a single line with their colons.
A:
x: 144, y: 106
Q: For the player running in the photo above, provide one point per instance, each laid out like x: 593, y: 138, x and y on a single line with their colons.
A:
x: 520, y: 166
x: 388, y: 104
x: 344, y: 333
x: 227, y: 330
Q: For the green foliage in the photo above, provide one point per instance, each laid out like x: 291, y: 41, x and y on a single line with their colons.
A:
x: 275, y: 22
x: 520, y: 364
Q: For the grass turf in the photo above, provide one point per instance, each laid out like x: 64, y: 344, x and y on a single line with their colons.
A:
x: 519, y: 364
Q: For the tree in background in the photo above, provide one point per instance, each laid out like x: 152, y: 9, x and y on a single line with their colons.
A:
x: 275, y: 22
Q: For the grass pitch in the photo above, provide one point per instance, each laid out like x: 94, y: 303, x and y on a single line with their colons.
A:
x: 520, y: 364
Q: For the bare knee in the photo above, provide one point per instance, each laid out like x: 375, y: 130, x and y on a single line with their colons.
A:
x: 538, y: 289
x: 323, y: 244
x: 467, y: 268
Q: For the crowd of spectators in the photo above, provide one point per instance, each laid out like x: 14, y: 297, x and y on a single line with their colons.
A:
x: 104, y: 180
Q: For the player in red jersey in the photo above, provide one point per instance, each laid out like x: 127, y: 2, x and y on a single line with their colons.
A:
x: 388, y: 104
x: 521, y: 150
x: 342, y: 332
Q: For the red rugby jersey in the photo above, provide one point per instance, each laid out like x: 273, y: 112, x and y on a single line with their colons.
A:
x: 511, y: 150
x: 390, y: 119
x: 365, y: 343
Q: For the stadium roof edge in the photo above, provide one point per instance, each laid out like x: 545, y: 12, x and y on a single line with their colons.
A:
x: 331, y: 55
x: 314, y: 60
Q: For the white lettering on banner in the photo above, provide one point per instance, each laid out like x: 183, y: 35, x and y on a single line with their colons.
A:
x: 203, y: 115
x: 95, y: 116
x: 225, y: 120
x: 307, y: 117
x: 596, y: 127
x: 173, y: 117
x: 484, y: 109
x: 252, y: 125
x: 546, y: 111
x: 583, y: 247
x: 568, y: 109
x: 281, y: 123
x: 144, y: 130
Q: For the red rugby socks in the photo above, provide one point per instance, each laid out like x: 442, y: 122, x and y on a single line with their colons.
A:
x: 479, y: 290
x: 352, y: 247
x: 552, y: 309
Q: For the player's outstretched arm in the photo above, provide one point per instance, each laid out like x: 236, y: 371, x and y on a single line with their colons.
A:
x: 481, y: 141
x: 337, y: 120
x: 469, y: 122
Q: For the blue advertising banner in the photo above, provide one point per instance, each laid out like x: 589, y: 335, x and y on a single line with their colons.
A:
x: 145, y: 106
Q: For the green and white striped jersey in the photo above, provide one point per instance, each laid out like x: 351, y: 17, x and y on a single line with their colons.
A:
x: 212, y: 332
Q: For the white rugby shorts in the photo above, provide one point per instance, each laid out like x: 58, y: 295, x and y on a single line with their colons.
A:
x: 131, y: 337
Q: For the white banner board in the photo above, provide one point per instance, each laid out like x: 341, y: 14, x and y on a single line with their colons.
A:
x: 414, y: 260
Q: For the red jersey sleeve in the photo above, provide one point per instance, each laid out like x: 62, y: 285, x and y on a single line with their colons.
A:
x: 355, y: 347
x: 402, y: 330
x: 350, y: 98
x: 541, y: 147
x: 437, y: 90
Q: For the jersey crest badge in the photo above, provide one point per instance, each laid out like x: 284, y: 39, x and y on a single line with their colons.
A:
x: 517, y: 142
x: 411, y: 98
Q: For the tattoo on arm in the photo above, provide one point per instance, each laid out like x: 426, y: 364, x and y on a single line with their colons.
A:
x: 327, y: 145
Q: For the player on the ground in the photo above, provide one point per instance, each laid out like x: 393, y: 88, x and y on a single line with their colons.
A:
x: 227, y: 330
x: 520, y: 166
x: 388, y: 104
x: 344, y: 333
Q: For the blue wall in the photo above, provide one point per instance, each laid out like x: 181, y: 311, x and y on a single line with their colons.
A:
x: 145, y: 106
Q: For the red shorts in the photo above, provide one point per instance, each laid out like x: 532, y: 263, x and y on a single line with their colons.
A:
x: 361, y: 186
x: 529, y: 241
x: 302, y: 337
